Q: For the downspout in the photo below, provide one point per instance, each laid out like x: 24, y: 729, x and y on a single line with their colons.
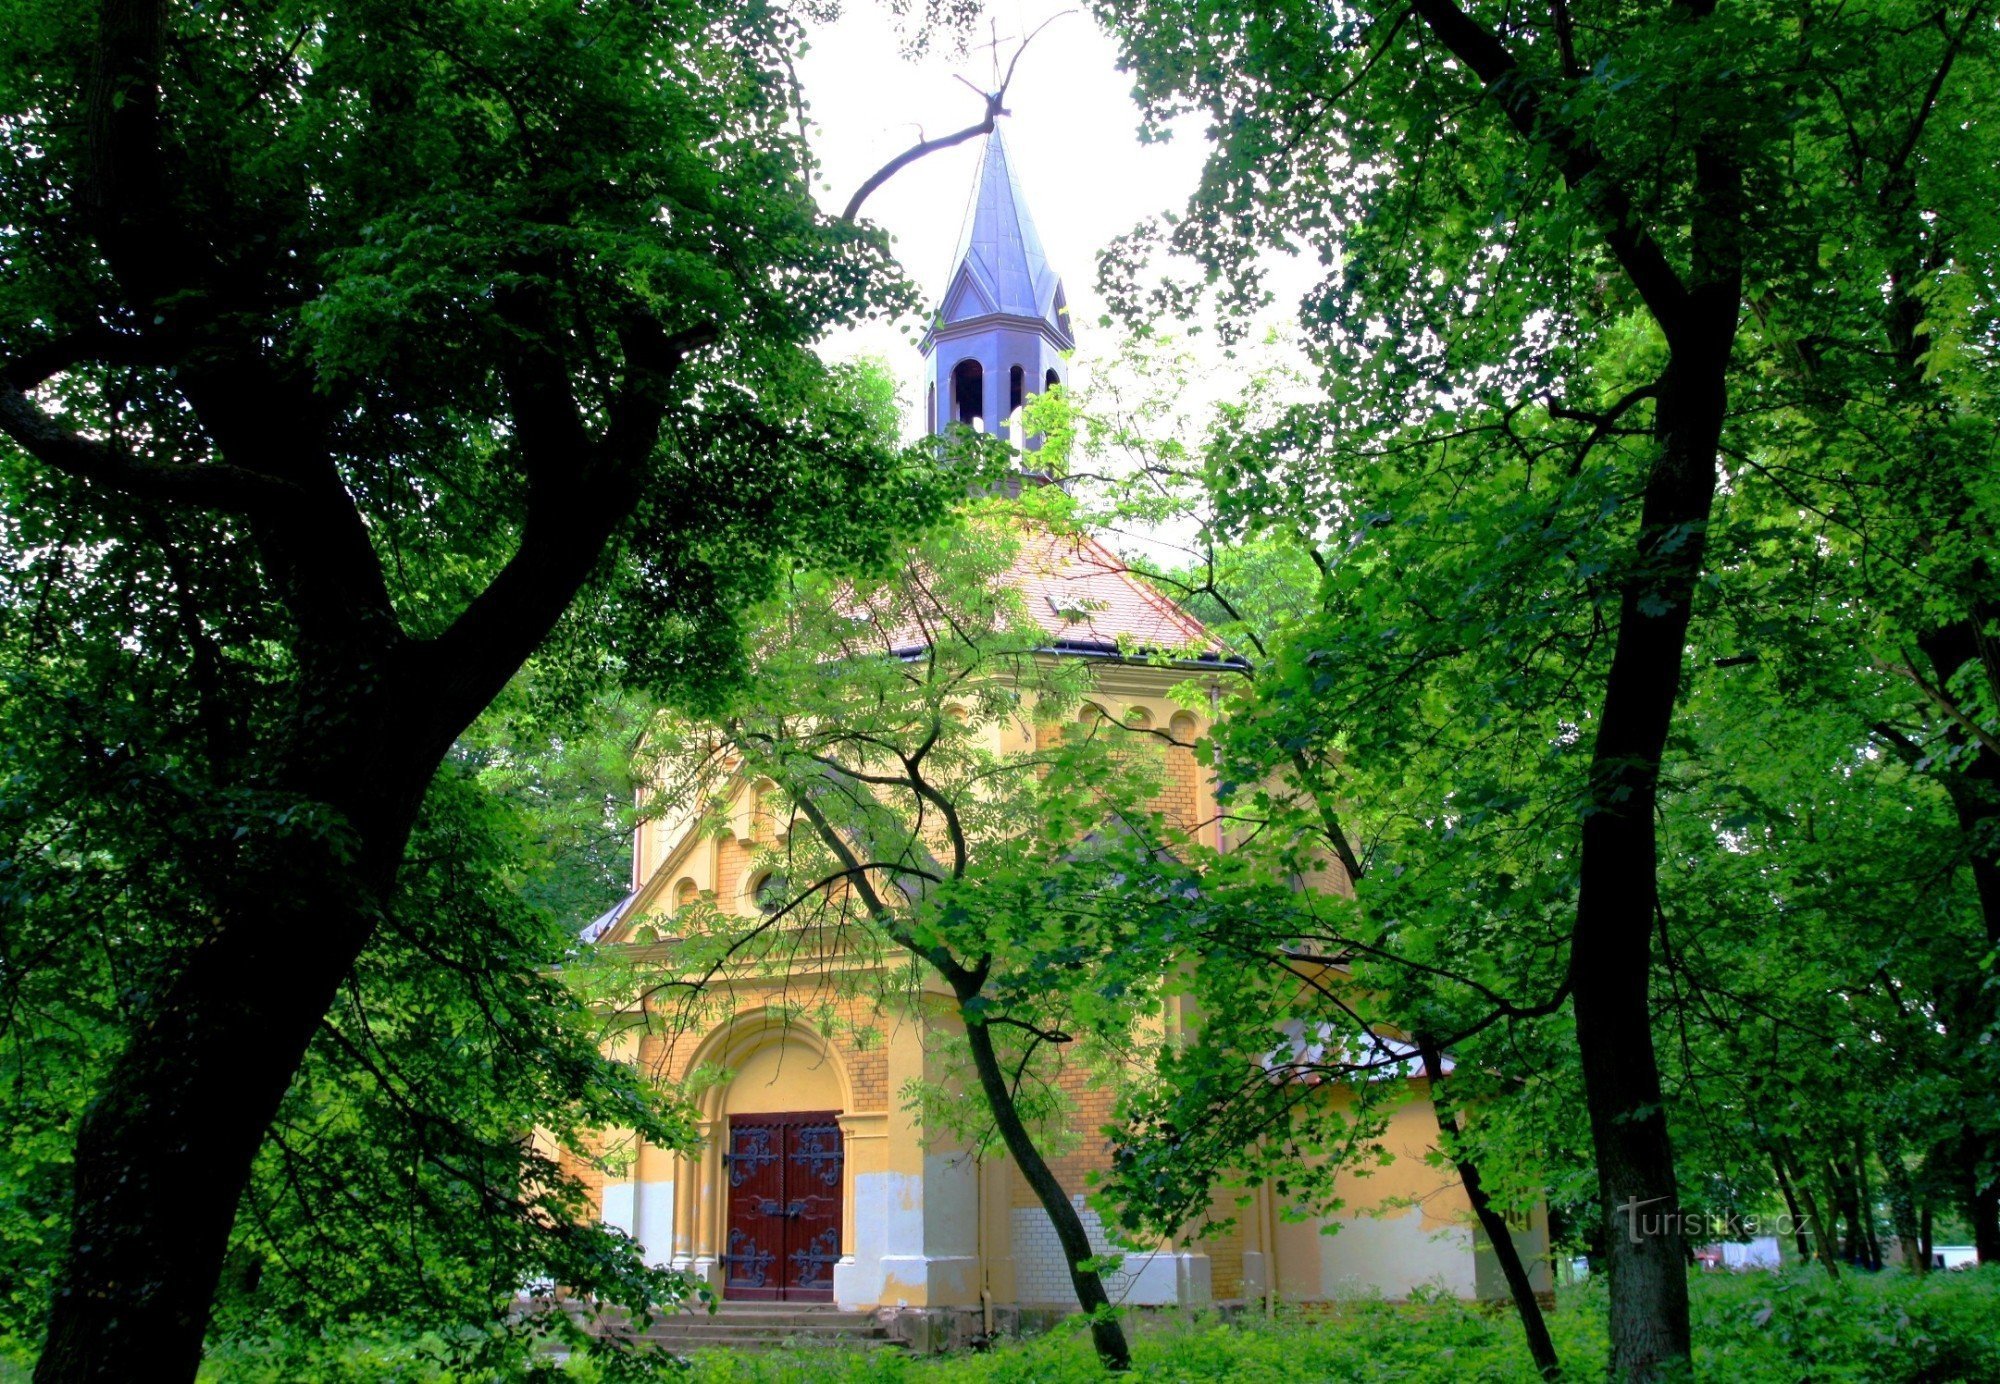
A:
x: 1269, y: 1199
x: 985, y: 1270
x: 1270, y: 1253
x: 1214, y: 714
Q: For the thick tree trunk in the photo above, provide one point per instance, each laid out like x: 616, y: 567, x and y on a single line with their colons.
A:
x: 1792, y: 1209
x: 1866, y: 1199
x: 1822, y: 1228
x: 1505, y: 1253
x: 165, y: 1151
x: 1975, y: 799
x: 1105, y: 1331
x: 1983, y: 1210
x: 1840, y: 1197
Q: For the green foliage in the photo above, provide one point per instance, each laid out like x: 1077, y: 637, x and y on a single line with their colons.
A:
x: 1890, y: 1329
x: 395, y: 1186
x: 1498, y: 196
x: 940, y: 792
x: 403, y: 348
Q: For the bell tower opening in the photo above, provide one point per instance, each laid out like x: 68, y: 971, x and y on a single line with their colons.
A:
x: 968, y: 394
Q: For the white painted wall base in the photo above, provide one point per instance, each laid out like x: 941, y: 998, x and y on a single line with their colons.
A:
x: 1256, y: 1274
x: 928, y: 1280
x: 1394, y: 1255
x: 888, y: 1223
x: 653, y: 1222
x: 619, y: 1204
x: 1148, y: 1278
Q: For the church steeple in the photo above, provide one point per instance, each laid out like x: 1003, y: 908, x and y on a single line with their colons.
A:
x: 1003, y: 324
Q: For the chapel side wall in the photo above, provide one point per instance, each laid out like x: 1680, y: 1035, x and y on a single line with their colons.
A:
x: 1405, y: 1225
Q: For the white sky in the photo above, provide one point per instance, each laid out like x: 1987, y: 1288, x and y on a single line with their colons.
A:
x: 1073, y: 138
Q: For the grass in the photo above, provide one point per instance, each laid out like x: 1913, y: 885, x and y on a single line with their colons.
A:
x: 1883, y: 1329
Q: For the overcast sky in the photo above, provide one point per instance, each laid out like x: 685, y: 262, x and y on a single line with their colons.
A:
x: 1073, y: 138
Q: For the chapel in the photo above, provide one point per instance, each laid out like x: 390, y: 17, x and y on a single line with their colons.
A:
x: 815, y: 1181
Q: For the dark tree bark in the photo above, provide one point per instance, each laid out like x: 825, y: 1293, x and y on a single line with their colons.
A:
x: 1823, y: 1227
x: 1618, y: 895
x: 1975, y: 798
x: 1865, y: 1202
x: 1902, y: 1199
x: 1533, y: 1325
x: 1791, y: 1206
x: 1105, y: 1331
x: 165, y: 1151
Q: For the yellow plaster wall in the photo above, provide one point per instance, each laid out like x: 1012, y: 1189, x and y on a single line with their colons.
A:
x: 780, y: 1077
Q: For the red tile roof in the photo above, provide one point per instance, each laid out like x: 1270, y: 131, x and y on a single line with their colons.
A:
x: 1087, y: 598
x: 1088, y: 601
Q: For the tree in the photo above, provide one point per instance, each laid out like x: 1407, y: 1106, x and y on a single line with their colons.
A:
x: 1309, y: 1021
x: 1550, y: 226
x: 380, y: 350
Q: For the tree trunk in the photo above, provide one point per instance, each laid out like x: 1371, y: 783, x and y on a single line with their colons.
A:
x: 1866, y: 1198
x: 1983, y: 1210
x: 1533, y: 1325
x: 1791, y: 1197
x: 1902, y: 1203
x: 1840, y: 1192
x: 165, y: 1150
x: 1105, y: 1331
x: 1618, y: 898
x: 1822, y: 1228
x: 1975, y: 799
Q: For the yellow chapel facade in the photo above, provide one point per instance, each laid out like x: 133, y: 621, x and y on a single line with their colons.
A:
x: 816, y: 1180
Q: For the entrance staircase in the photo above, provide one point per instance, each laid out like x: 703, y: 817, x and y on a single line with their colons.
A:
x: 763, y: 1326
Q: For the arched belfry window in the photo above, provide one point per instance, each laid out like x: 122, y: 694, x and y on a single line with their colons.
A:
x: 930, y: 408
x: 968, y: 393
x: 1051, y: 380
x: 1017, y: 388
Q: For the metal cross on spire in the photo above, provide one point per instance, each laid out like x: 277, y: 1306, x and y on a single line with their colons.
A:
x: 992, y: 48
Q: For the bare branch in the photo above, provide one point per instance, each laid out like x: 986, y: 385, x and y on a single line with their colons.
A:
x: 996, y: 106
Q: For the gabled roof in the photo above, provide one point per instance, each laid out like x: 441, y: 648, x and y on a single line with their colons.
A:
x: 1089, y: 602
x: 1000, y: 268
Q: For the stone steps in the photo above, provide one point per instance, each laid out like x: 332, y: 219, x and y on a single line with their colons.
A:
x: 760, y: 1326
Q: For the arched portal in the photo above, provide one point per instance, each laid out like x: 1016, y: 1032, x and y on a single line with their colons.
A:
x: 782, y: 1194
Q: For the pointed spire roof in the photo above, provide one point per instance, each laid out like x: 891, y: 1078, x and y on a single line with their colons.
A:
x: 1000, y: 268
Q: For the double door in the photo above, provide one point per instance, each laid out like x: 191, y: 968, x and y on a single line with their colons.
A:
x: 785, y: 1199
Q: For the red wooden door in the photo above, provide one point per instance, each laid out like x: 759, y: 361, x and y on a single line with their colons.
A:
x: 784, y: 1207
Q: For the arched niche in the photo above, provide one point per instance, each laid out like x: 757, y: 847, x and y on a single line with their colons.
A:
x: 783, y: 1076
x: 740, y: 1047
